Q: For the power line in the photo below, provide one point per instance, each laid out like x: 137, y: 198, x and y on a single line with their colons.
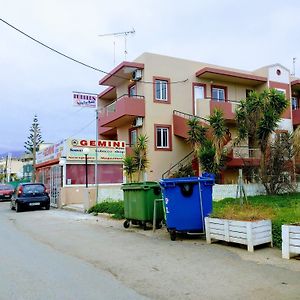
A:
x: 76, y: 60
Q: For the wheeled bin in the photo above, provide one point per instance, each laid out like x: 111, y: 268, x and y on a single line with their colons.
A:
x: 139, y: 203
x: 187, y: 200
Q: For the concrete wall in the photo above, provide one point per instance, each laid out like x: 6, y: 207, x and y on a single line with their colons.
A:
x: 221, y: 191
x: 77, y: 194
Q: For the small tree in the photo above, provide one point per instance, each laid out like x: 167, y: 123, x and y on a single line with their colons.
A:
x: 34, y: 140
x: 257, y: 118
x: 209, y: 151
x: 138, y: 162
x: 279, y: 167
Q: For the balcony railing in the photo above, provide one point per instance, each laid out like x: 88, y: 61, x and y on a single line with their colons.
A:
x: 122, y: 111
x: 110, y: 108
x: 246, y: 153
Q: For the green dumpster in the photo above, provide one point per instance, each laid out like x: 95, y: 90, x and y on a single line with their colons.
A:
x: 139, y: 203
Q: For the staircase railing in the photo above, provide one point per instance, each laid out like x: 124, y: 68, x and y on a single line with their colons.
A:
x: 186, y: 160
x: 189, y: 116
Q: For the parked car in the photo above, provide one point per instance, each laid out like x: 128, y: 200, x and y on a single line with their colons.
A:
x: 28, y: 195
x: 6, y: 191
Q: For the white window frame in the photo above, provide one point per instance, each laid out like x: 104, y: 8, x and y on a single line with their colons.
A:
x: 161, y: 83
x: 132, y: 133
x: 161, y: 130
x: 218, y: 93
x: 130, y: 89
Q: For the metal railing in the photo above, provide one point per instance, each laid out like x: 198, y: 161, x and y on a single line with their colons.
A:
x: 189, y: 116
x: 246, y: 152
x: 186, y: 160
x: 223, y: 100
x: 110, y: 108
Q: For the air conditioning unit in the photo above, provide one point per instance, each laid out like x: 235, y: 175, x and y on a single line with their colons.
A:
x: 137, y: 75
x: 138, y: 122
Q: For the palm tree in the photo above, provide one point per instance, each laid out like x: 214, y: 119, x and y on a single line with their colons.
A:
x: 140, y: 154
x: 257, y: 118
x: 196, y: 134
x: 129, y: 167
x: 219, y: 132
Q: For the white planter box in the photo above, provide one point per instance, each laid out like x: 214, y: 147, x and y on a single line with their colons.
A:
x: 241, y: 232
x: 290, y: 240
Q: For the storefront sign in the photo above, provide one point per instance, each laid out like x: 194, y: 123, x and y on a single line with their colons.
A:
x: 84, y: 99
x: 50, y: 153
x: 106, y: 150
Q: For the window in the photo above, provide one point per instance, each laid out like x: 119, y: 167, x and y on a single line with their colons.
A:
x: 132, y: 137
x: 132, y: 91
x: 218, y: 93
x: 294, y: 103
x: 198, y: 92
x: 163, y: 137
x: 282, y: 91
x: 161, y: 90
x: 248, y: 92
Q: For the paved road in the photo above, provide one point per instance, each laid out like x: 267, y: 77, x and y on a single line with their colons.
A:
x: 32, y: 270
x: 65, y: 255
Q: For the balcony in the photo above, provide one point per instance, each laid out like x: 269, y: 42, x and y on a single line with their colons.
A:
x: 122, y: 111
x: 108, y: 132
x: 244, y: 156
x: 236, y: 77
x: 228, y: 107
x: 296, y: 116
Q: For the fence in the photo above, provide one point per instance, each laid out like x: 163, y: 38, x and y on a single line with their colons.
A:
x: 221, y: 191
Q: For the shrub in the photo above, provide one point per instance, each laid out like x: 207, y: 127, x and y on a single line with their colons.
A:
x: 115, y: 208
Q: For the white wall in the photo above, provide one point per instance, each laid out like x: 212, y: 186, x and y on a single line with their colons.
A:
x: 221, y: 191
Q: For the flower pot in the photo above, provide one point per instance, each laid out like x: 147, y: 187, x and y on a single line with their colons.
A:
x: 250, y: 233
x: 290, y: 240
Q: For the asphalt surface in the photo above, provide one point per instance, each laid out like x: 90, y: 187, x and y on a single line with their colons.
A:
x: 33, y: 270
x: 67, y: 255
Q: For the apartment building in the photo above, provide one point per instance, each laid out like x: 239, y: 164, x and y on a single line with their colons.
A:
x: 157, y: 94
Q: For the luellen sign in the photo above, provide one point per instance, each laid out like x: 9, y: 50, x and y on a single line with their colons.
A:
x: 84, y: 99
x: 106, y: 151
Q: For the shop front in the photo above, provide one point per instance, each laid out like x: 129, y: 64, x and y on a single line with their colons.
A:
x: 77, y: 170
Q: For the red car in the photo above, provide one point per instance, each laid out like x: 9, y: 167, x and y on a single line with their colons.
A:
x: 6, y: 191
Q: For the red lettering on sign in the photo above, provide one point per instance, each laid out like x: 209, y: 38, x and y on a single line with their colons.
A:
x: 93, y: 143
x: 83, y: 143
x: 101, y: 143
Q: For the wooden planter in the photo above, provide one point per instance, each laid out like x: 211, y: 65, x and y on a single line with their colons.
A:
x: 242, y: 232
x: 290, y: 240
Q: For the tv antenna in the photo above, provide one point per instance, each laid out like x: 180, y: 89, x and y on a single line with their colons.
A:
x: 125, y: 34
x: 294, y: 67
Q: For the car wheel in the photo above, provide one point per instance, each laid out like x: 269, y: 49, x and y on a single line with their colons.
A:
x: 47, y: 207
x: 18, y: 207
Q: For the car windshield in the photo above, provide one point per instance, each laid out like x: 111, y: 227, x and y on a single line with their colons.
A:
x: 6, y: 187
x: 33, y: 188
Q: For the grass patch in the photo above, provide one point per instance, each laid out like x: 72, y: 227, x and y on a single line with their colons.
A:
x: 115, y: 208
x: 281, y: 209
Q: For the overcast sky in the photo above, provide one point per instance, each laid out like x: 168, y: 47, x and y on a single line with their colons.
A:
x: 33, y: 80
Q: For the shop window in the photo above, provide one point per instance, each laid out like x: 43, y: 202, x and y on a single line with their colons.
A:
x: 107, y: 173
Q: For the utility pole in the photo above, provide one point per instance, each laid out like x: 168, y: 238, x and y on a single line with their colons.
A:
x: 117, y: 34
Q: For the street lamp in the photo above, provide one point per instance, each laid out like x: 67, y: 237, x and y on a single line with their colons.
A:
x: 62, y: 162
x: 86, y: 152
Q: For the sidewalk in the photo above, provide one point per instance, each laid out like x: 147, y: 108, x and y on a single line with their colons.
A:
x: 262, y: 255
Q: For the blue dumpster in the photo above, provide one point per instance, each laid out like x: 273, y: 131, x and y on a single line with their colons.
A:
x: 187, y: 201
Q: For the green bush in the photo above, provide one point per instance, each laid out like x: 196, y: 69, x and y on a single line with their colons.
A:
x: 115, y: 208
x: 286, y: 210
